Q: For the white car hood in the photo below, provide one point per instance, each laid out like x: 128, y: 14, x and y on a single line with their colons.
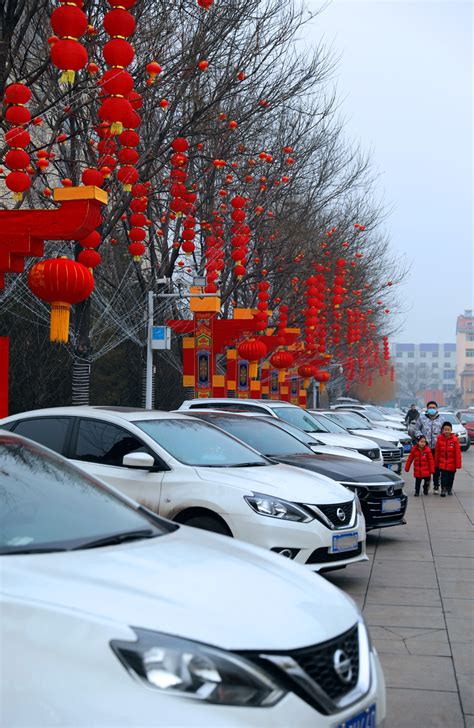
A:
x: 282, y: 481
x: 189, y: 583
x: 343, y: 440
x: 339, y: 451
x: 382, y: 434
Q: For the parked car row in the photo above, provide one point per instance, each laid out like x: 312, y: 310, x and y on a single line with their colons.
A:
x: 144, y: 602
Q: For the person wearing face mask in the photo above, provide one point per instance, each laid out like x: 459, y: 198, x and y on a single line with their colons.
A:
x: 429, y: 425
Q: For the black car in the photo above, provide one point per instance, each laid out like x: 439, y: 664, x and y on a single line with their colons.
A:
x: 380, y: 491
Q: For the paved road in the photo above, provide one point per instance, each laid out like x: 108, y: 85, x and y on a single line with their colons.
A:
x: 417, y: 593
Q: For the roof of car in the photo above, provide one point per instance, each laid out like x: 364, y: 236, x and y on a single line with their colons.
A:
x: 241, y: 402
x: 131, y: 414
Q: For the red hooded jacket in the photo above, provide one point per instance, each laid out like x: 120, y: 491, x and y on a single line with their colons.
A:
x: 448, y: 453
x: 423, y: 461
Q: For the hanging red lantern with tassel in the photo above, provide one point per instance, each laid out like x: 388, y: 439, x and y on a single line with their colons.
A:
x: 60, y: 282
x: 252, y: 350
x: 17, y: 138
x: 69, y: 22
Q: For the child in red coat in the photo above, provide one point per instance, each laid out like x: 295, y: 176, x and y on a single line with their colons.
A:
x: 447, y: 458
x: 423, y: 465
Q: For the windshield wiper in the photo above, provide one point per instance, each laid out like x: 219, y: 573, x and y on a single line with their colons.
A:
x: 248, y: 465
x: 29, y: 550
x: 117, y: 538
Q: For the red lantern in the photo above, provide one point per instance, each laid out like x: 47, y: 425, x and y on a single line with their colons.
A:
x: 119, y: 23
x: 18, y: 183
x: 17, y: 115
x: 127, y: 176
x: 69, y: 56
x: 17, y: 93
x: 118, y: 52
x: 136, y: 250
x: 153, y: 69
x: 93, y: 240
x: 322, y: 376
x: 62, y: 283
x: 281, y: 360
x: 252, y: 350
x: 93, y: 177
x: 89, y: 258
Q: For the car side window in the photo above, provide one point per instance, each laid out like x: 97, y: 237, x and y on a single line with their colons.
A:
x: 48, y: 431
x: 105, y: 443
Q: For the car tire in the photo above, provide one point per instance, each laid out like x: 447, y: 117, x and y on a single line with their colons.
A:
x: 207, y: 523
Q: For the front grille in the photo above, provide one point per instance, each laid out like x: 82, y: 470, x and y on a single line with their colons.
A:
x: 323, y: 556
x: 373, y: 453
x: 318, y: 663
x: 330, y: 511
x: 391, y: 456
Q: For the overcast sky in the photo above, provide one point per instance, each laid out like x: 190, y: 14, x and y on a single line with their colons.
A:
x: 405, y: 78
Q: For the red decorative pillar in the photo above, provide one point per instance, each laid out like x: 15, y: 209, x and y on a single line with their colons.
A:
x: 231, y: 369
x: 4, y: 347
x: 205, y: 310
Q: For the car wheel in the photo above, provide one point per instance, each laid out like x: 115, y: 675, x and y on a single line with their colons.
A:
x: 208, y: 523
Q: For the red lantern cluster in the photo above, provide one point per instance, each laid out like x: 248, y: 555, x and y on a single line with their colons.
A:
x: 89, y: 255
x: 214, y: 253
x: 69, y: 22
x: 129, y: 139
x: 386, y: 348
x: 240, y: 235
x: 17, y: 138
x: 117, y: 83
x: 138, y: 220
x: 261, y: 317
x: 282, y: 324
x: 178, y: 190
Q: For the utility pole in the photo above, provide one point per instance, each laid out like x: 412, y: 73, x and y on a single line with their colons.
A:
x: 149, y: 354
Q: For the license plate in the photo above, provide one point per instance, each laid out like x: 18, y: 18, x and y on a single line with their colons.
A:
x: 390, y: 505
x: 344, y: 542
x: 407, y: 447
x: 389, y: 466
x: 366, y: 719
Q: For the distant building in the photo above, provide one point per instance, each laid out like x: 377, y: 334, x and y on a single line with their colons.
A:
x: 465, y: 358
x: 424, y: 368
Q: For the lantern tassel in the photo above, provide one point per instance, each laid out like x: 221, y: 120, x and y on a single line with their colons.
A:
x: 59, y: 326
x: 18, y: 196
x: 67, y: 78
x: 116, y: 128
x: 306, y: 382
x: 127, y: 188
x: 281, y: 375
x: 253, y: 369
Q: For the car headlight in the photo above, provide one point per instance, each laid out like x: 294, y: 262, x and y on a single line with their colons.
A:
x: 358, y: 505
x: 190, y: 669
x: 373, y: 454
x: 267, y: 505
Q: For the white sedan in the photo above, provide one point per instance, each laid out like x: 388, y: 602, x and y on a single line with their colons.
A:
x: 193, y: 473
x: 112, y: 616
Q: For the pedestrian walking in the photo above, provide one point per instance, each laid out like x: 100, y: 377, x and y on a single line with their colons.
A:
x: 429, y: 424
x: 447, y: 458
x: 423, y: 465
x: 411, y: 415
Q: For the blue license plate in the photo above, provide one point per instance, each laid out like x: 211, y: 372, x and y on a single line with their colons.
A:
x: 345, y: 542
x: 390, y: 505
x: 389, y: 466
x: 407, y: 447
x: 366, y: 719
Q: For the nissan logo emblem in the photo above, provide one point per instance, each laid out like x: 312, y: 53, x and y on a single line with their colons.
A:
x: 342, y: 665
x: 390, y: 490
x: 340, y: 514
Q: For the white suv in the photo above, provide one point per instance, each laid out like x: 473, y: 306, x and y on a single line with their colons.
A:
x: 293, y: 415
x: 193, y: 473
x: 112, y: 616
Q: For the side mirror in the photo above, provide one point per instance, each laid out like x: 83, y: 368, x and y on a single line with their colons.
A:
x: 139, y: 460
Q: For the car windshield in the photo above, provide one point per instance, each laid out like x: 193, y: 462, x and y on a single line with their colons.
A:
x: 329, y: 425
x: 261, y: 435
x: 375, y: 413
x: 300, y: 435
x: 196, y: 443
x: 299, y: 418
x: 448, y: 417
x: 465, y: 417
x: 46, y: 504
x: 349, y: 421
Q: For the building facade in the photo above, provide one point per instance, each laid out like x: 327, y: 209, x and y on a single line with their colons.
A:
x: 422, y: 369
x: 465, y: 358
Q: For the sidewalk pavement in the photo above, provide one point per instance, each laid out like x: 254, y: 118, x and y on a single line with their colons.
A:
x: 417, y: 594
